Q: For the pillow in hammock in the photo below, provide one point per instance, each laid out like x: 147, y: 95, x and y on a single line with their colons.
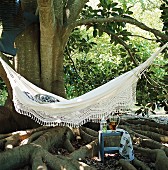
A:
x: 43, y: 98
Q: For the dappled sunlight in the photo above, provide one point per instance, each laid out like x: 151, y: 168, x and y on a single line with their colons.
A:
x: 9, y: 146
x: 63, y: 168
x: 20, y: 133
x: 89, y: 146
x: 23, y: 136
x: 165, y: 144
x: 67, y: 13
x: 73, y: 63
x: 36, y: 145
x: 95, y: 158
x: 41, y: 168
x: 82, y: 166
x: 24, y: 142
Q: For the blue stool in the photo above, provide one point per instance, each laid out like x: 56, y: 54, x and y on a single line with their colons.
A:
x: 102, y: 149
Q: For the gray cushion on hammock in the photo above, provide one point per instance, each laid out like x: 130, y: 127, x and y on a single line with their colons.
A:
x: 43, y: 98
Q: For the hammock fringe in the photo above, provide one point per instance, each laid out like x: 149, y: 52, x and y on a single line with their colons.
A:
x: 47, y: 109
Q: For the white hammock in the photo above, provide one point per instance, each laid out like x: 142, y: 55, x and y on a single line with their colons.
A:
x: 51, y: 110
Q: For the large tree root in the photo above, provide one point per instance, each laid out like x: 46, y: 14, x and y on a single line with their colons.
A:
x: 67, y: 148
x: 148, y: 123
x: 157, y: 155
x: 147, y: 128
x: 140, y: 165
x: 37, y: 152
x: 126, y: 165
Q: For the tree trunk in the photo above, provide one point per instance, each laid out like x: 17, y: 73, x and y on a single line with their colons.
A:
x: 39, y: 59
x: 40, y: 51
x: 51, y: 49
x: 27, y: 61
x: 9, y: 118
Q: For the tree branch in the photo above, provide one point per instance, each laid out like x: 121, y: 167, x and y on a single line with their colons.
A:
x: 153, y: 83
x: 150, y: 39
x: 69, y: 56
x: 123, y: 44
x: 71, y: 13
x: 125, y: 19
x: 73, y: 9
x: 58, y: 11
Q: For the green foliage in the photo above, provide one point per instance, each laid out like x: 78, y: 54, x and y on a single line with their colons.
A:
x: 106, y: 9
x: 152, y: 86
x: 91, y: 74
x: 104, y: 62
x: 98, y: 53
x: 79, y: 42
x: 3, y: 93
x: 86, y: 71
x: 164, y: 16
x: 145, y: 5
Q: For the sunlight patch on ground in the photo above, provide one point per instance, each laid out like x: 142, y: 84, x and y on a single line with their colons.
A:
x: 82, y: 166
x: 89, y: 146
x: 9, y: 146
x: 63, y: 168
x: 165, y: 144
x: 24, y: 142
x: 41, y: 168
x: 20, y: 133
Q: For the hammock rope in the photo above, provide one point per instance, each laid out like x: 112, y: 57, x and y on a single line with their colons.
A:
x: 49, y: 109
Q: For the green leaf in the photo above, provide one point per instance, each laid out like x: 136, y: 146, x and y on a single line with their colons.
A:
x: 129, y: 12
x: 114, y: 4
x: 116, y: 9
x: 114, y: 14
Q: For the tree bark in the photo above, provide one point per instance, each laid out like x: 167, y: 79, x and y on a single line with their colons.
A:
x: 51, y: 49
x: 27, y: 61
x: 56, y: 148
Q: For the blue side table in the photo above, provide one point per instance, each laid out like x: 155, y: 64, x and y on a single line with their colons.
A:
x: 102, y: 149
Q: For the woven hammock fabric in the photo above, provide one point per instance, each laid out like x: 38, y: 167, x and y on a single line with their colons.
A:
x: 51, y: 110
